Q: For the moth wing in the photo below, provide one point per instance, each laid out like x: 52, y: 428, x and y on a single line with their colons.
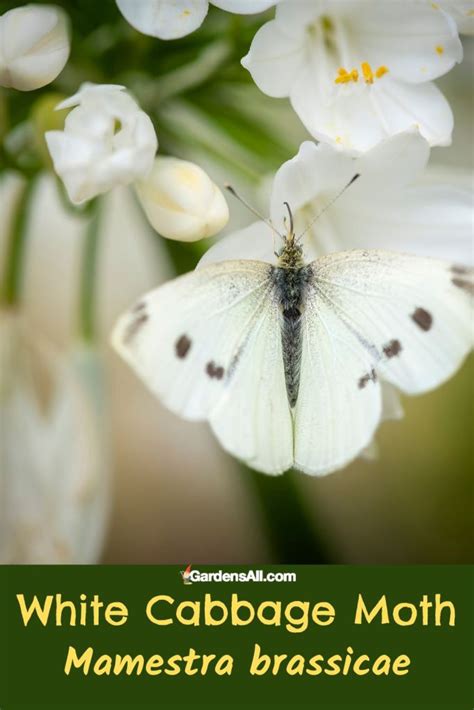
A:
x: 401, y: 318
x: 335, y: 419
x: 208, y: 344
x: 254, y: 420
x: 413, y: 314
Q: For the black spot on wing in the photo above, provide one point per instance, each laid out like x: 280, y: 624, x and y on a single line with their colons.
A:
x: 422, y: 318
x: 214, y: 371
x: 458, y: 269
x: 463, y: 278
x: 368, y: 377
x: 134, y: 326
x: 464, y: 284
x: 392, y: 348
x: 139, y: 307
x: 182, y: 346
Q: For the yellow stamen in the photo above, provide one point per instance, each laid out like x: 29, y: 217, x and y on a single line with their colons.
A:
x: 435, y: 6
x: 338, y: 139
x: 439, y: 49
x: 344, y: 77
x: 470, y: 13
x: 367, y: 72
x: 381, y: 71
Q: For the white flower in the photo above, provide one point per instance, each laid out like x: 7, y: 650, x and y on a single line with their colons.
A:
x: 462, y: 12
x: 170, y: 19
x: 181, y: 201
x: 358, y: 71
x: 107, y: 140
x: 392, y: 205
x: 34, y: 46
x: 53, y: 472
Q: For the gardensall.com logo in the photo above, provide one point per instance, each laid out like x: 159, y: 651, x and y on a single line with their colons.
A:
x: 191, y: 576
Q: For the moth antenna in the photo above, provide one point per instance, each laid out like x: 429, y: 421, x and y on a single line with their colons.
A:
x: 268, y: 222
x: 291, y: 218
x: 329, y: 204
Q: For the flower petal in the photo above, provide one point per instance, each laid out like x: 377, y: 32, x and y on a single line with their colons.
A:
x: 89, y: 90
x: 320, y: 172
x: 462, y: 12
x: 54, y: 470
x: 391, y: 410
x: 316, y: 171
x: 294, y: 17
x: 34, y: 46
x: 382, y: 170
x: 425, y: 219
x: 107, y: 140
x: 346, y: 121
x: 274, y: 59
x: 359, y: 118
x: 166, y: 19
x: 181, y: 201
x: 403, y: 106
x: 253, y: 242
x: 417, y: 43
x: 391, y: 402
x: 244, y: 7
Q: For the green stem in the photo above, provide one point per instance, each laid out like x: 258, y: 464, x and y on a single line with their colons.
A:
x: 88, y: 285
x: 4, y: 117
x: 292, y: 534
x: 12, y: 281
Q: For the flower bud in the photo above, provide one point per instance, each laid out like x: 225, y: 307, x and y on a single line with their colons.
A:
x: 181, y: 201
x: 107, y: 141
x: 53, y: 460
x: 34, y: 46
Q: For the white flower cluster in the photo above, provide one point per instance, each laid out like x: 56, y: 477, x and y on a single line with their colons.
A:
x: 357, y: 72
x: 360, y: 76
x: 108, y: 141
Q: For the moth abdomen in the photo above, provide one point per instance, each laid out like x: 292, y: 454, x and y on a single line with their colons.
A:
x: 291, y: 288
x: 292, y: 345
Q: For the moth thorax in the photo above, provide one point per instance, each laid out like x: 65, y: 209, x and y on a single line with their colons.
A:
x: 291, y: 256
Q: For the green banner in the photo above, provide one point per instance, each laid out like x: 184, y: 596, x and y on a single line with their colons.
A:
x: 81, y: 637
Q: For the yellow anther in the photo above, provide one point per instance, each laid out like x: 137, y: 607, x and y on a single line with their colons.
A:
x: 435, y: 6
x: 439, y: 49
x: 344, y: 77
x: 381, y: 71
x: 338, y: 139
x: 367, y: 72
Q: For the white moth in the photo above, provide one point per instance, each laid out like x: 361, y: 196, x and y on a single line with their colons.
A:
x: 285, y: 360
